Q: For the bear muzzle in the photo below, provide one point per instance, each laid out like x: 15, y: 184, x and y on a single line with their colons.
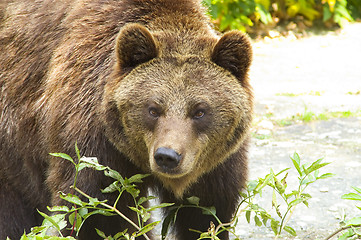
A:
x: 167, y: 159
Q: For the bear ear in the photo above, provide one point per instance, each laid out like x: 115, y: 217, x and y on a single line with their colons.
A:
x: 134, y: 45
x: 234, y: 53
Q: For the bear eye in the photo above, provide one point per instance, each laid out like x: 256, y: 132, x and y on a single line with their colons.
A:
x: 199, y: 114
x: 153, y: 112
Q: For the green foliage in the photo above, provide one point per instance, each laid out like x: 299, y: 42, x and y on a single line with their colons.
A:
x: 307, y: 174
x: 82, y: 210
x: 243, y: 14
x: 239, y: 14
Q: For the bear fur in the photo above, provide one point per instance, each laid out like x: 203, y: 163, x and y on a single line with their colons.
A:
x: 126, y: 80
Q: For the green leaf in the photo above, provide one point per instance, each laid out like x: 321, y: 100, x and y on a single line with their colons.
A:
x: 351, y: 196
x: 101, y: 234
x: 357, y: 189
x: 297, y: 159
x: 326, y: 175
x: 72, y: 199
x: 275, y: 225
x: 91, y: 162
x: 58, y: 209
x: 111, y: 188
x: 95, y: 201
x: 306, y: 196
x: 168, y: 221
x: 243, y: 195
x: 290, y: 230
x: 209, y: 211
x: 162, y: 205
x: 145, y: 199
x: 283, y: 181
x: 265, y: 182
x: 341, y: 10
x: 295, y: 202
x: 77, y: 151
x: 280, y: 187
x: 107, y: 213
x: 137, y: 210
x: 265, y: 217
x: 63, y: 156
x: 257, y: 221
x: 293, y: 193
x: 145, y: 216
x: 248, y: 216
x: 114, y: 174
x: 147, y: 228
x: 193, y: 200
x: 316, y: 165
x: 138, y: 178
x: 77, y: 219
x: 297, y: 167
x: 71, y: 218
x: 354, y: 221
x: 133, y: 191
x: 23, y: 237
x: 36, y: 230
x: 83, y: 211
x: 50, y: 219
x: 120, y: 234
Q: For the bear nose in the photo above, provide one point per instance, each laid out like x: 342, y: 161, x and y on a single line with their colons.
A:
x: 167, y: 158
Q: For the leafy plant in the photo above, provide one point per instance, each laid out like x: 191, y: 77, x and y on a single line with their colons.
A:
x: 308, y: 174
x: 302, y: 7
x: 82, y: 210
x: 337, y: 10
x: 244, y: 14
x: 239, y: 14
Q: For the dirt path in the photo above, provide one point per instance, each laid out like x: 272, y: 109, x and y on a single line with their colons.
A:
x: 316, y: 75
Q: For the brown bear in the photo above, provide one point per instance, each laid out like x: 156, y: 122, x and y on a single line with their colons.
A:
x: 146, y: 86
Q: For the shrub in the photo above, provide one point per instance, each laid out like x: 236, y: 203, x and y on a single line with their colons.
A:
x: 307, y: 174
x: 243, y: 14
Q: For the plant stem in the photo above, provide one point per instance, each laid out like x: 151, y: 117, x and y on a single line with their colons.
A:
x: 283, y: 221
x: 76, y: 175
x: 340, y: 230
x: 115, y: 210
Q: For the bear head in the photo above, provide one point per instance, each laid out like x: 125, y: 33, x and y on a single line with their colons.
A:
x: 178, y: 115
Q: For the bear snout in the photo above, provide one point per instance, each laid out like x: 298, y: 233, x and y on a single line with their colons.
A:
x: 167, y: 159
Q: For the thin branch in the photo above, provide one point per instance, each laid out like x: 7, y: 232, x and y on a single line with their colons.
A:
x: 340, y: 230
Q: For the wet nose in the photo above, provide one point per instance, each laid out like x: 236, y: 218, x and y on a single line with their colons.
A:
x: 167, y: 158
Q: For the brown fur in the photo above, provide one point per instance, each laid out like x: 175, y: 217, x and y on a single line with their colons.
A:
x: 92, y: 71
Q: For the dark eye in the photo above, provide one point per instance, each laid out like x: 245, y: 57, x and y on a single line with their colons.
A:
x: 199, y: 114
x: 153, y: 112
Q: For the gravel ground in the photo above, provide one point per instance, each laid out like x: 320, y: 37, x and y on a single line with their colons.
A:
x: 319, y: 74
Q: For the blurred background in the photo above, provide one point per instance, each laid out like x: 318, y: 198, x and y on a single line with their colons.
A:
x: 258, y: 17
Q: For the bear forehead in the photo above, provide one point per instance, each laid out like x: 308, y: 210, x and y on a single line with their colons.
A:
x: 184, y: 73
